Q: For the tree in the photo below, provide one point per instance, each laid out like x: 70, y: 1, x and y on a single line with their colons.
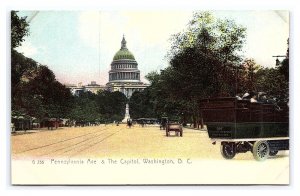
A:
x: 22, y: 69
x: 111, y: 105
x: 247, y: 76
x: 204, y: 57
x: 203, y: 61
x: 85, y: 108
x: 141, y: 105
x: 275, y: 81
x: 271, y: 81
x: 19, y: 29
x: 36, y: 92
x: 283, y: 67
x: 222, y: 38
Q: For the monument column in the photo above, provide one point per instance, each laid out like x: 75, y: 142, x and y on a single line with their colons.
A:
x: 127, y: 115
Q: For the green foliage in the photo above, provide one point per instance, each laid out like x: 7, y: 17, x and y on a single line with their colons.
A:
x: 103, y: 107
x: 152, y: 77
x: 275, y: 81
x: 203, y: 63
x: 206, y: 61
x: 271, y: 81
x: 204, y: 58
x: 247, y: 76
x: 222, y: 37
x: 112, y: 105
x: 35, y: 91
x: 19, y: 29
x: 284, y: 65
x: 284, y: 68
x: 141, y: 105
x: 84, y: 108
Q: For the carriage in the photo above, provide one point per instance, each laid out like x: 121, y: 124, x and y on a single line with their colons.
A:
x: 163, y: 123
x: 174, y: 125
x: 241, y: 126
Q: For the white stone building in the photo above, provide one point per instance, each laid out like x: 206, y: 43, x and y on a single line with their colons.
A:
x: 124, y: 75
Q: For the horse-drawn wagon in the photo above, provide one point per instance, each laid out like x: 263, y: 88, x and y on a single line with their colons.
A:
x: 241, y: 126
x: 163, y: 123
x: 174, y: 125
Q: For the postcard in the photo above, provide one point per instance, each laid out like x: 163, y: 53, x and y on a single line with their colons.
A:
x: 149, y: 97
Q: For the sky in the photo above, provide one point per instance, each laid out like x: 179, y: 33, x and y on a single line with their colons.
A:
x: 79, y: 45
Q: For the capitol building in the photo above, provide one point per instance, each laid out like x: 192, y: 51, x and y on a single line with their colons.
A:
x: 124, y: 75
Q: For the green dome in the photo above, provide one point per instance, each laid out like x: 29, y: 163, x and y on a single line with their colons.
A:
x: 123, y: 53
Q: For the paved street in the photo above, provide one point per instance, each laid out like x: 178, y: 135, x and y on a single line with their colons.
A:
x: 117, y: 141
x: 148, y: 142
x: 113, y: 141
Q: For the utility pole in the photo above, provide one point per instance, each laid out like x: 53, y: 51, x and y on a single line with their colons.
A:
x: 277, y: 60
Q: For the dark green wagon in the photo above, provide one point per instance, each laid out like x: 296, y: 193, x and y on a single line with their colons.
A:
x: 241, y: 126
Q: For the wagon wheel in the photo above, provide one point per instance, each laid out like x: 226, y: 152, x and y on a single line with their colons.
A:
x: 261, y: 150
x: 273, y: 152
x: 228, y: 150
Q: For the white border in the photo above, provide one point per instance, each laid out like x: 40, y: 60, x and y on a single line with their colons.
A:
x: 7, y: 5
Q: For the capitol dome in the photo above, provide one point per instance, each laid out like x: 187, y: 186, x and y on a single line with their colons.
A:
x: 124, y: 75
x: 123, y: 53
x: 124, y: 67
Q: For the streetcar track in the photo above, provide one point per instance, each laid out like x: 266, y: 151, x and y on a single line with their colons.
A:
x: 94, y: 144
x: 61, y: 141
x: 73, y: 145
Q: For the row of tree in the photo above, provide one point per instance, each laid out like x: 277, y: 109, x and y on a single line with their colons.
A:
x: 36, y: 92
x: 206, y: 61
x: 103, y: 107
x: 34, y: 89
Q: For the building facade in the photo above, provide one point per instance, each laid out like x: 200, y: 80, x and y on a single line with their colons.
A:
x: 92, y: 87
x: 124, y: 75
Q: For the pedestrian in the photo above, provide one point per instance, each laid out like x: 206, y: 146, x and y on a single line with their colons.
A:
x: 129, y: 123
x: 246, y: 96
x: 253, y: 99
